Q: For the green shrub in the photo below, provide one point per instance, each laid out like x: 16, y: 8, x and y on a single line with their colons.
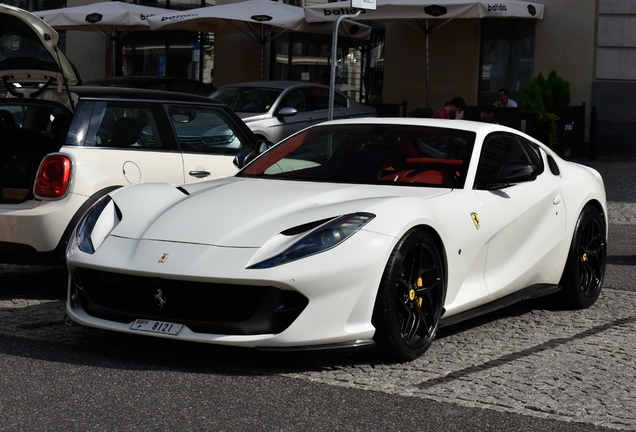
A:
x: 421, y: 112
x: 542, y: 99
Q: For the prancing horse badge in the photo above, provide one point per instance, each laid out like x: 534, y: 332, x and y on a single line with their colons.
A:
x: 163, y: 258
x: 475, y: 217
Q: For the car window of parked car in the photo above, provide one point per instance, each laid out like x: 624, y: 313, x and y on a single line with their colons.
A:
x: 12, y: 115
x: 247, y: 99
x: 320, y: 97
x: 296, y: 99
x: 209, y: 130
x: 131, y: 125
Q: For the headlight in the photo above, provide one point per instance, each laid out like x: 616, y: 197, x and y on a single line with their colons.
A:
x: 96, y: 224
x: 319, y: 240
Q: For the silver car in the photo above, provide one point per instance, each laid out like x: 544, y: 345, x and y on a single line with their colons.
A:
x: 276, y: 109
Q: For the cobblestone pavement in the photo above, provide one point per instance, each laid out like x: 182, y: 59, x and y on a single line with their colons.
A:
x: 530, y: 359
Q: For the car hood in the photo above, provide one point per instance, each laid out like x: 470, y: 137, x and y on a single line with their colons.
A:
x: 33, y: 55
x: 241, y: 212
x: 251, y: 117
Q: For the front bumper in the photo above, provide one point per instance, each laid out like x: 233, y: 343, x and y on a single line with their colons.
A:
x: 326, y: 299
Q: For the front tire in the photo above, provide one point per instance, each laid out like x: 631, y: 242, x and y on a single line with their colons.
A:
x: 410, y: 298
x: 584, y: 271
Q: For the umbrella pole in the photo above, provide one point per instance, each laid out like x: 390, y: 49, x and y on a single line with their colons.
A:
x: 428, y: 71
x: 113, y: 49
x: 334, y: 59
x: 262, y: 49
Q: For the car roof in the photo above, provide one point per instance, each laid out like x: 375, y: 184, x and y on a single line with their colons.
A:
x: 467, y: 125
x: 137, y: 93
x: 141, y: 79
x: 275, y: 84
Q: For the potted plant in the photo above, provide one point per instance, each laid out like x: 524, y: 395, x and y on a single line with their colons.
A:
x: 543, y: 99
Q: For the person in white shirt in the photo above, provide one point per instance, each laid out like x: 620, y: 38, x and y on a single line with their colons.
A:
x: 503, y: 101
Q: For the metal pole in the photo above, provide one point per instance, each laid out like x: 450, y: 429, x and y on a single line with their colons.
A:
x: 334, y: 59
x: 428, y: 71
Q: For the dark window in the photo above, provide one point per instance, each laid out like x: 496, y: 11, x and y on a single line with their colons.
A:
x: 507, y: 47
x: 134, y: 125
x: 502, y: 149
x: 206, y: 130
x: 297, y: 99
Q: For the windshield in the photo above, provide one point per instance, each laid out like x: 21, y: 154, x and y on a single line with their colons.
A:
x: 257, y: 100
x: 370, y: 153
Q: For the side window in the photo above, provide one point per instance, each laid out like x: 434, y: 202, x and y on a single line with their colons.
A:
x: 133, y: 125
x: 504, y: 150
x: 320, y: 97
x: 17, y: 113
x: 296, y: 99
x: 532, y: 153
x: 208, y: 130
x: 339, y: 101
x: 77, y: 133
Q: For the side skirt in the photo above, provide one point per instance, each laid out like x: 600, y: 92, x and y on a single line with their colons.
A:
x: 353, y: 345
x: 533, y: 291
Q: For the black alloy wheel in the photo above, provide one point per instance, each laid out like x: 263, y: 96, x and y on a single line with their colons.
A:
x: 582, y: 278
x: 410, y: 298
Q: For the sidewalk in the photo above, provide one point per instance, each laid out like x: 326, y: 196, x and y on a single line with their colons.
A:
x: 619, y: 175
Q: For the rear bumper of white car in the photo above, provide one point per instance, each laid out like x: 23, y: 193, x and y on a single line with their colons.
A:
x: 31, y: 231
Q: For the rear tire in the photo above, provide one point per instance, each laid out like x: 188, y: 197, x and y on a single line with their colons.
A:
x: 410, y: 298
x: 584, y: 271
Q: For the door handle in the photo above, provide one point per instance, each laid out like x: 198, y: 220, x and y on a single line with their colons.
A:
x: 199, y: 174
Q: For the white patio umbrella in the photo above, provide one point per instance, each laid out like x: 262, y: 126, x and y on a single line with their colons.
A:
x: 261, y: 20
x: 112, y: 19
x: 108, y: 18
x: 418, y: 10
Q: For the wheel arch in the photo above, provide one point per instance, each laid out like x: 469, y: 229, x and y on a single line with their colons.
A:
x: 439, y: 243
x: 598, y: 206
x: 60, y: 250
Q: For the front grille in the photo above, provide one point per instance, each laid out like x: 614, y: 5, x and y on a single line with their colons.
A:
x: 203, y: 307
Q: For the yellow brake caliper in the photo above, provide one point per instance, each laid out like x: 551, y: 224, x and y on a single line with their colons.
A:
x: 418, y: 301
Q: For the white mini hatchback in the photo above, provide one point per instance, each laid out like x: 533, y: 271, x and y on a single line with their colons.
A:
x: 63, y: 146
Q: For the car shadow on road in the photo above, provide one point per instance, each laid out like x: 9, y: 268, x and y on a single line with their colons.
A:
x: 33, y: 282
x: 43, y: 324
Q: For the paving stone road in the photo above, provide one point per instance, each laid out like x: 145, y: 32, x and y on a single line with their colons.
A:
x: 529, y: 359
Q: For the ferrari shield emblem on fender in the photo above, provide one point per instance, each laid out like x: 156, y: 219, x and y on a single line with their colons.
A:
x: 163, y: 258
x: 475, y: 217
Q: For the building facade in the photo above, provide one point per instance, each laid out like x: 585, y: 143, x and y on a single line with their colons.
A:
x: 590, y: 43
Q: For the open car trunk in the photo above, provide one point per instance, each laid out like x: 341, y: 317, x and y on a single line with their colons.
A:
x: 36, y: 105
x: 29, y: 133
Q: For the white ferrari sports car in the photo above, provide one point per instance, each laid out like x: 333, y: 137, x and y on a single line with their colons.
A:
x: 351, y: 233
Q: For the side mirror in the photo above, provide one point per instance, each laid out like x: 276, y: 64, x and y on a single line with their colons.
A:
x: 287, y: 112
x: 184, y: 116
x: 262, y: 146
x: 510, y: 173
x: 244, y: 157
x: 517, y: 171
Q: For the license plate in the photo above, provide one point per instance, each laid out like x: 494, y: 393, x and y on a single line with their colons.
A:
x: 156, y: 327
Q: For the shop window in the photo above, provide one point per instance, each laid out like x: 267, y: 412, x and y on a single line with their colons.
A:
x: 507, y: 48
x: 307, y: 57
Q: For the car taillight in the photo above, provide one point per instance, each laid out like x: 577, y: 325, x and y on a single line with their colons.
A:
x: 53, y: 176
